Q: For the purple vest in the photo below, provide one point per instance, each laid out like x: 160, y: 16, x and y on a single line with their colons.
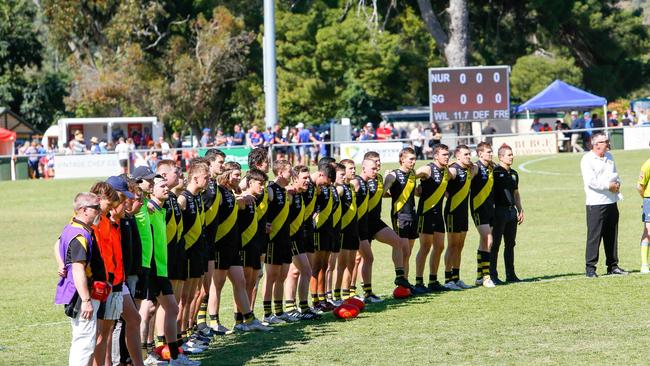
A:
x: 65, y: 289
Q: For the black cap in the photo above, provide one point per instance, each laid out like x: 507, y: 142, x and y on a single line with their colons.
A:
x: 144, y: 172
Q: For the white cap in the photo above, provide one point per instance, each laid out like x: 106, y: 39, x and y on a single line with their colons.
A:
x: 300, y: 125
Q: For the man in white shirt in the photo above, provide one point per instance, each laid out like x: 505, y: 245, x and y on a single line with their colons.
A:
x: 417, y: 139
x: 602, y: 188
x: 122, y: 150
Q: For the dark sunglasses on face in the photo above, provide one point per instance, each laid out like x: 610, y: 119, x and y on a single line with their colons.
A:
x: 94, y: 207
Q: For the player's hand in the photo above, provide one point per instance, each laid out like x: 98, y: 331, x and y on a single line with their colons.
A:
x: 86, y: 310
x: 62, y: 272
x: 418, y: 191
x: 150, y: 207
x: 520, y: 217
x: 268, y: 227
x: 291, y: 191
x: 614, y: 187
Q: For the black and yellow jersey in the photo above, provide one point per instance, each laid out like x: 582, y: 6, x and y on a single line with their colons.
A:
x: 336, y: 208
x: 348, y: 208
x: 481, y: 187
x: 375, y: 194
x: 362, y: 198
x: 227, y: 216
x: 193, y: 219
x: 211, y: 201
x: 402, y: 193
x: 296, y: 215
x: 433, y: 190
x: 174, y: 219
x: 278, y: 212
x: 247, y: 223
x: 309, y: 201
x: 324, y: 209
x: 261, y: 208
x: 458, y: 190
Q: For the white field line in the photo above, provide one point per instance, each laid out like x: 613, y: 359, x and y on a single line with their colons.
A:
x: 523, y: 168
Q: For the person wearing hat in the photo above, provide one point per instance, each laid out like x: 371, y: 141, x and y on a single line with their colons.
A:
x: 206, y: 139
x: 613, y: 119
x: 576, y: 124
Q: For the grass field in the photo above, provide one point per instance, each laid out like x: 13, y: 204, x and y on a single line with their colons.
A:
x: 556, y: 316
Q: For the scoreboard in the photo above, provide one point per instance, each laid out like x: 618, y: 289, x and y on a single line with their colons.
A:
x: 469, y: 93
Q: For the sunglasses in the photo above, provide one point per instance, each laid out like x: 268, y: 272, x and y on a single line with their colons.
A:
x: 94, y: 207
x: 603, y: 142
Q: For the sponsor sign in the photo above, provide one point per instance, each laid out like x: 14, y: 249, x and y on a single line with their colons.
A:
x: 388, y: 151
x: 528, y: 144
x: 86, y: 166
x: 635, y: 138
x: 236, y: 154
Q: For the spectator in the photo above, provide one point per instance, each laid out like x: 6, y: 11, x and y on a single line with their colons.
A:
x: 383, y: 132
x: 304, y: 137
x: 576, y: 124
x: 588, y: 126
x: 220, y: 139
x: 32, y: 161
x: 536, y: 126
x: 79, y: 146
x: 206, y: 139
x: 367, y: 133
x: 122, y: 149
x: 489, y: 130
x: 613, y: 120
x: 546, y: 128
x: 268, y: 137
x: 255, y: 138
x: 94, y: 146
x: 417, y: 139
x: 292, y: 137
x: 597, y: 122
x: 315, y: 148
x: 103, y: 147
x: 641, y: 117
x: 280, y: 142
x: 238, y: 137
x: 23, y: 149
x: 627, y: 118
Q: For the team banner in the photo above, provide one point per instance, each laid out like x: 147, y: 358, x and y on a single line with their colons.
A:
x: 86, y: 166
x: 541, y: 144
x: 635, y: 138
x: 388, y: 151
x: 237, y: 154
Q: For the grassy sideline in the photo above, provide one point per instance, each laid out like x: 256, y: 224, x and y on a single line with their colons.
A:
x: 556, y: 317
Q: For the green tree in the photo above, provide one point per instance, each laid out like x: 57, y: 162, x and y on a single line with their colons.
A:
x: 531, y: 74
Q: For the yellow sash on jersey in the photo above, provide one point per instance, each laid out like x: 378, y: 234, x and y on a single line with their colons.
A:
x: 194, y: 232
x: 211, y: 213
x: 376, y: 198
x: 260, y: 209
x: 298, y: 220
x: 362, y: 209
x: 250, y: 232
x: 179, y: 229
x: 480, y: 198
x: 279, y: 220
x: 437, y: 195
x: 226, y: 225
x: 321, y: 217
x: 171, y: 227
x: 460, y: 196
x: 336, y: 217
x: 406, y: 193
x: 352, y: 210
x: 309, y: 210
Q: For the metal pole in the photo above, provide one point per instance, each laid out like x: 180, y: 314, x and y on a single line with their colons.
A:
x: 270, y: 87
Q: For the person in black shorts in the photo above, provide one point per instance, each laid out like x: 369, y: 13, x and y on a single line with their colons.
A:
x: 299, y: 261
x: 456, y: 216
x: 431, y: 223
x: 400, y: 187
x: 247, y: 222
x: 321, y: 222
x: 481, y: 202
x: 335, y: 234
x: 278, y: 251
x: 377, y: 229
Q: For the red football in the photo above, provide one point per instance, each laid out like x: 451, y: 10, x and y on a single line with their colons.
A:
x: 401, y: 292
x: 356, y: 302
x: 346, y: 311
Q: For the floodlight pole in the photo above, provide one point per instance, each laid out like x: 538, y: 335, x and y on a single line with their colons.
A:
x: 270, y: 83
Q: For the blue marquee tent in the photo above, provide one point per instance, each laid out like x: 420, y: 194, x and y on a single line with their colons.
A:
x: 561, y: 96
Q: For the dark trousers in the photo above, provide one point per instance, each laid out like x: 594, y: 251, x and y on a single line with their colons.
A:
x: 505, y: 226
x: 602, y: 223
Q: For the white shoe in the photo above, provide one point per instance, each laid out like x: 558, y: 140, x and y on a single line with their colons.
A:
x: 182, y: 360
x: 335, y: 303
x: 272, y: 320
x: 645, y: 269
x: 452, y: 286
x: 151, y: 360
x: 191, y: 347
x: 287, y: 318
x: 462, y: 284
x: 487, y: 282
x: 255, y: 324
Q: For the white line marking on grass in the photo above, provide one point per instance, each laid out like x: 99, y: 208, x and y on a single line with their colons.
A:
x: 523, y: 168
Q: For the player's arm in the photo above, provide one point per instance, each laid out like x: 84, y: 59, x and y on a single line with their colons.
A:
x: 591, y: 179
x: 339, y: 190
x: 59, y: 261
x: 423, y: 172
x: 453, y: 173
x: 642, y: 183
x: 388, y: 182
x: 182, y: 202
x: 520, y: 208
x: 243, y: 184
x: 355, y: 184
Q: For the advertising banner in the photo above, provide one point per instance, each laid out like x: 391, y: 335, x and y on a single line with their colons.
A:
x: 635, y: 138
x: 388, y: 151
x: 237, y: 154
x: 86, y: 166
x: 541, y: 144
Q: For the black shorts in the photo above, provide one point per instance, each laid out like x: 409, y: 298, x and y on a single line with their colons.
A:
x: 158, y: 286
x: 250, y: 256
x: 349, y: 239
x: 177, y: 261
x: 211, y: 249
x: 362, y: 226
x: 322, y: 241
x: 484, y: 215
x: 336, y: 241
x: 308, y: 239
x: 405, y: 228
x: 196, y: 256
x: 227, y: 251
x: 142, y: 286
x: 375, y: 226
x: 431, y: 222
x: 278, y: 252
x: 457, y: 221
x: 297, y: 245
